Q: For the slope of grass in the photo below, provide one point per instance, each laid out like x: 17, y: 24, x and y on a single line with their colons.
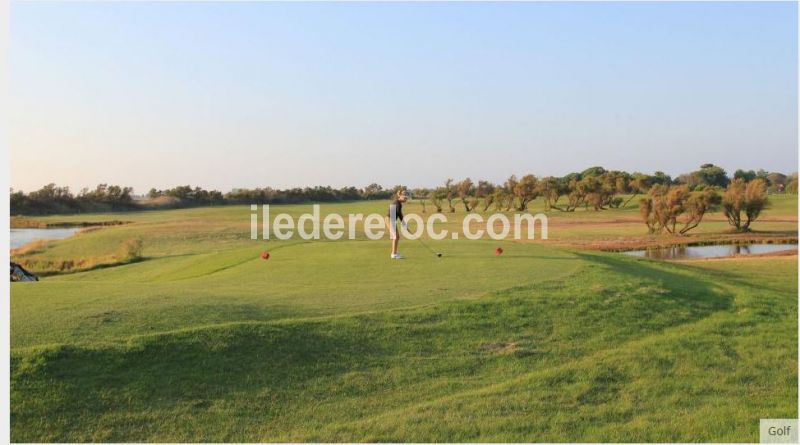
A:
x: 331, y: 341
x: 621, y: 350
x: 211, y: 230
x: 300, y: 280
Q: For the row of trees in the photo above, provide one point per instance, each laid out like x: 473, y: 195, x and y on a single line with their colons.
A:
x: 187, y: 195
x: 714, y: 176
x: 54, y: 199
x: 598, y: 189
x: 595, y: 188
x: 667, y: 206
x: 674, y: 206
x: 269, y: 195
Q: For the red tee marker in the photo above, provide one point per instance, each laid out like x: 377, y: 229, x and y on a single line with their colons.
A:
x: 264, y: 255
x: 498, y: 251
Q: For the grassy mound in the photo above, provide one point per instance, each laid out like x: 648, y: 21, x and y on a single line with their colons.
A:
x: 577, y: 347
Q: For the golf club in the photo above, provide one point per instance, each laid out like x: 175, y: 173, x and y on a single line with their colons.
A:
x: 438, y: 254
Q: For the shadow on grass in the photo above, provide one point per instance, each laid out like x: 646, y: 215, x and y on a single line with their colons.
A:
x: 191, y: 368
x: 69, y: 269
x: 682, y: 281
x: 111, y: 393
x: 732, y: 277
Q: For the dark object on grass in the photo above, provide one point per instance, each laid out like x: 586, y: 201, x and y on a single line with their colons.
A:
x: 18, y: 273
x: 498, y: 251
x: 438, y: 254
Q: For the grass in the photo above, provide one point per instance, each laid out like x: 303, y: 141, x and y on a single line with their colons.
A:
x: 34, y: 257
x: 202, y: 340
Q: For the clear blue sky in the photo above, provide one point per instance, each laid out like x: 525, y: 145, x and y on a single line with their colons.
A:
x: 275, y: 94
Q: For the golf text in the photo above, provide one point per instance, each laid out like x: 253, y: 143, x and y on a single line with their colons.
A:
x: 374, y: 226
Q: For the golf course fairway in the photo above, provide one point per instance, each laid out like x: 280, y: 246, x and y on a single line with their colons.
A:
x: 203, y: 340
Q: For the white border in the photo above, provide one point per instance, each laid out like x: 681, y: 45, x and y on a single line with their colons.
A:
x: 5, y: 179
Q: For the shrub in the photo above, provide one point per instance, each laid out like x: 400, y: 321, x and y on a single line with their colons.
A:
x: 129, y: 251
x: 743, y: 202
x: 791, y: 187
x: 665, y: 206
x: 615, y: 203
x: 31, y: 248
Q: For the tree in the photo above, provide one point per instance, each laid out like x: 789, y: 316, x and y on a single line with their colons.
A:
x: 451, y: 194
x: 639, y: 183
x: 502, y: 199
x: 465, y: 190
x: 596, y: 188
x: 709, y: 175
x: 485, y: 191
x: 551, y: 189
x: 791, y: 184
x: 775, y: 178
x: 576, y: 196
x: 664, y: 206
x: 776, y: 182
x: 597, y: 191
x: 690, y: 180
x: 422, y: 194
x: 592, y: 190
x: 375, y: 191
x: 510, y: 191
x: 652, y: 209
x: 215, y: 196
x: 593, y: 171
x: 747, y: 176
x: 613, y: 183
x: 17, y: 201
x: 743, y: 202
x: 696, y: 207
x: 660, y: 177
x: 525, y: 191
x: 438, y: 195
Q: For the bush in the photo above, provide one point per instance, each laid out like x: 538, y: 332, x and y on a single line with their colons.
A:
x: 129, y: 251
x: 749, y: 198
x: 664, y: 206
x: 615, y: 202
x: 791, y: 187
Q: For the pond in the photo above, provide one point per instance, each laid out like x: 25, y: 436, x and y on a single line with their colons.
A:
x: 20, y: 237
x: 712, y: 251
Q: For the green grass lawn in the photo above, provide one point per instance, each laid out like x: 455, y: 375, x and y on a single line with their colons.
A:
x: 331, y: 341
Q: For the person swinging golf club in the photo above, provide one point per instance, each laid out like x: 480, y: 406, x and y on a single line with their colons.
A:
x: 396, y: 214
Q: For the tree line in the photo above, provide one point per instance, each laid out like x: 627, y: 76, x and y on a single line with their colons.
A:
x: 666, y: 204
x: 595, y: 188
x: 672, y: 205
x: 52, y: 199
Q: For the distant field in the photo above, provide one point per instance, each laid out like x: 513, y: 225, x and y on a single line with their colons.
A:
x: 554, y: 340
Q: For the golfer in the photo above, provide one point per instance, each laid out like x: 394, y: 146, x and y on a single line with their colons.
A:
x: 395, y: 214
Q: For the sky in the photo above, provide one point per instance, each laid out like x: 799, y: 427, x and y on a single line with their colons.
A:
x: 226, y: 95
